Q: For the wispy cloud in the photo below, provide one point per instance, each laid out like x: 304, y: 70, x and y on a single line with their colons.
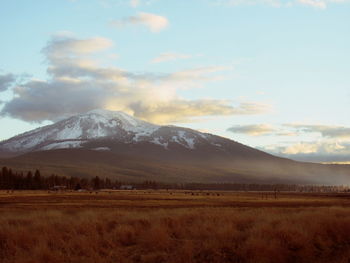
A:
x: 318, y: 4
x: 135, y: 3
x: 327, y: 131
x: 314, y: 3
x: 170, y: 56
x: 274, y: 3
x: 64, y: 45
x: 155, y: 23
x: 181, y: 110
x: 253, y: 130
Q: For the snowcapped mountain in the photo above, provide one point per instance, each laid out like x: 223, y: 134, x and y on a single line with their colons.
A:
x: 110, y: 130
x: 115, y: 144
x: 73, y: 132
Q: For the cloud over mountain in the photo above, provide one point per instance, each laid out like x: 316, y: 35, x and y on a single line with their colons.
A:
x: 78, y: 83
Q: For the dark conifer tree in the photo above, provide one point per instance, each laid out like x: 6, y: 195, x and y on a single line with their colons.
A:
x: 37, y: 180
x: 29, y: 180
x: 96, y: 182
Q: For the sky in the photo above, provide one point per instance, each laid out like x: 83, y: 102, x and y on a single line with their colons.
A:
x: 271, y: 74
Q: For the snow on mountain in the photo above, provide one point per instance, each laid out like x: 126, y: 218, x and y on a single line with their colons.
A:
x: 76, y: 131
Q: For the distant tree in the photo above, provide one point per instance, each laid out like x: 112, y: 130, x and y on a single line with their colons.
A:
x: 18, y: 181
x: 77, y: 187
x: 4, y: 178
x: 37, y: 184
x: 50, y: 181
x: 96, y: 182
x: 29, y: 180
x: 72, y: 183
x: 84, y: 183
x: 108, y: 183
x: 4, y: 171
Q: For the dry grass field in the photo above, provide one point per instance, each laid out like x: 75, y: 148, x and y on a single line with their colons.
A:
x: 173, y: 226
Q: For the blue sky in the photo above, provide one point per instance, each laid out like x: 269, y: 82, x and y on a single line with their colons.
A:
x: 271, y: 74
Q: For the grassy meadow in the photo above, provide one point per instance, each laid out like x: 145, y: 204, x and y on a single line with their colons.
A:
x: 173, y: 226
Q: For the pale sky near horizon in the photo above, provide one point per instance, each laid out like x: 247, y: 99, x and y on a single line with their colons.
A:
x: 272, y: 74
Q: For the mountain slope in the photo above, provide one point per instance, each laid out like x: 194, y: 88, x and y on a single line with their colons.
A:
x: 88, y: 163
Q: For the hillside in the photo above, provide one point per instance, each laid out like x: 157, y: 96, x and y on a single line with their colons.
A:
x: 88, y: 163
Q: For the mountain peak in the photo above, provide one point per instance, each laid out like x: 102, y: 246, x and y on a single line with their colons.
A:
x: 107, y: 113
x: 118, y: 132
x: 100, y: 111
x: 127, y: 121
x: 101, y: 125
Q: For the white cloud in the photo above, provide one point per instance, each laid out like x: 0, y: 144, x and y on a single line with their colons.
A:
x: 181, y: 110
x: 301, y: 148
x: 77, y: 83
x: 155, y: 23
x: 327, y: 147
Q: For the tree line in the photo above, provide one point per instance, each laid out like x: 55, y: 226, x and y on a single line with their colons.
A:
x: 11, y: 180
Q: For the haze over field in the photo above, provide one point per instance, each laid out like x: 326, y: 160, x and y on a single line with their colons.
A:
x: 273, y: 75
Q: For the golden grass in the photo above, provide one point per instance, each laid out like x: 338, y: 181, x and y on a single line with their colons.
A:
x: 158, y: 226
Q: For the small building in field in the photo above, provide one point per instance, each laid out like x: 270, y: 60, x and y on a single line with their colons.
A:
x: 126, y: 187
x: 59, y: 188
